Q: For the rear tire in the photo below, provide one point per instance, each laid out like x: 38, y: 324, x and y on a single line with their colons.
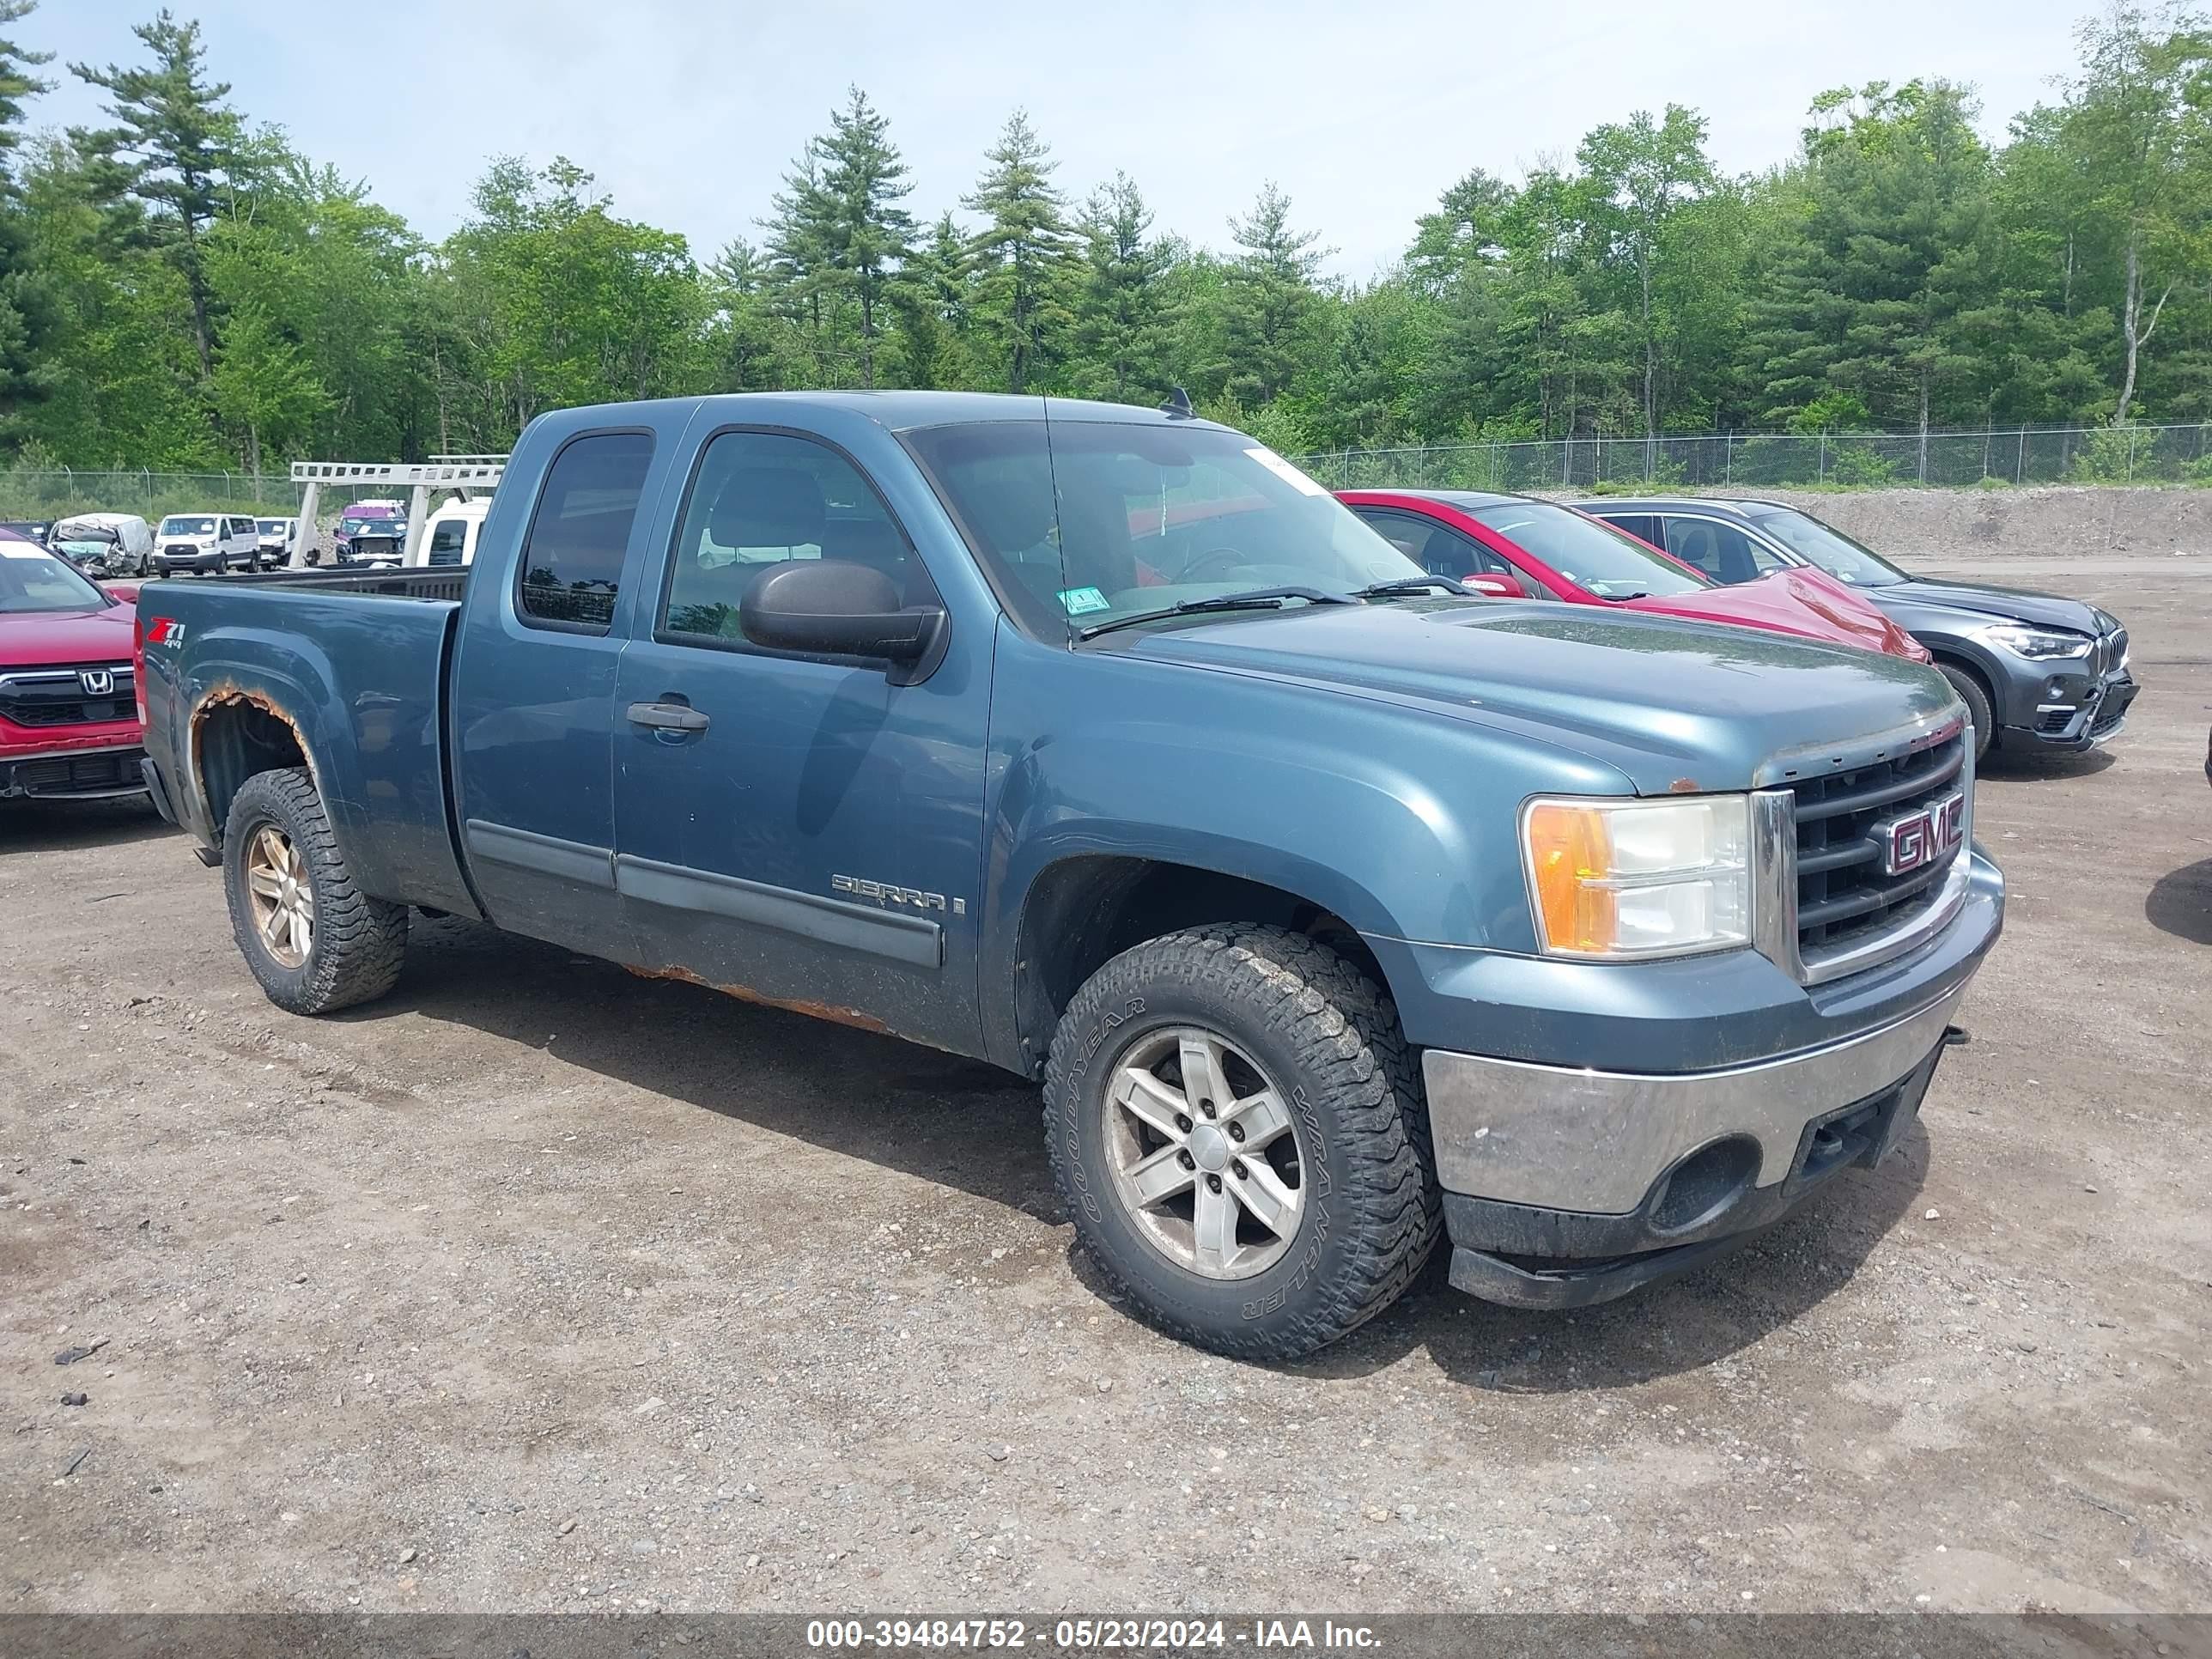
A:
x: 1344, y: 1167
x: 1978, y: 714
x: 313, y: 939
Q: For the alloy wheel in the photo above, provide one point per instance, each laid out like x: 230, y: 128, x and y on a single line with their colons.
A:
x: 282, y: 897
x: 1203, y: 1154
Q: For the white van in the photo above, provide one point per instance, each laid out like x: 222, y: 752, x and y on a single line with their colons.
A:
x: 210, y: 543
x: 449, y: 534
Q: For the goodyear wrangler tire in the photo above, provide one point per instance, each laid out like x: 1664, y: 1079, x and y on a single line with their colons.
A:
x: 313, y: 939
x: 1239, y: 1134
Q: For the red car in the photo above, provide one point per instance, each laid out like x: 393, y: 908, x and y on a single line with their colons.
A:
x: 68, y: 716
x: 1519, y: 547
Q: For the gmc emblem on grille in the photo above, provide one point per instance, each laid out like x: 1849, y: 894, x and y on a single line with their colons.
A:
x: 1912, y: 841
x: 96, y: 682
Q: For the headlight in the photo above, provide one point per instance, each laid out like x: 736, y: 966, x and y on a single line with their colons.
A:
x: 1639, y: 878
x: 2040, y: 644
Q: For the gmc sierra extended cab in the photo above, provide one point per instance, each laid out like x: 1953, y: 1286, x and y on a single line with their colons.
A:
x: 1336, y: 910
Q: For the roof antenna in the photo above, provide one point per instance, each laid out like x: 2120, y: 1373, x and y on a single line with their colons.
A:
x: 1177, y: 407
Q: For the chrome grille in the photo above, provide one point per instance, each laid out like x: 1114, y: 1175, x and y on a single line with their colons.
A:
x: 1834, y: 889
x: 1844, y: 893
x: 58, y: 697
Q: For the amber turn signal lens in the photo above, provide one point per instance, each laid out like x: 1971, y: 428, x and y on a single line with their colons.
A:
x: 1569, y: 849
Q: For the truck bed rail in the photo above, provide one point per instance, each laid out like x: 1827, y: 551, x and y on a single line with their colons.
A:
x: 432, y: 582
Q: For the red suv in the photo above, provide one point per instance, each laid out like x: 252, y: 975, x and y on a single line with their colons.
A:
x: 69, y: 720
x: 1519, y: 547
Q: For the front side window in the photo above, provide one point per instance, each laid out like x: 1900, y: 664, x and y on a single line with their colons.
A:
x: 33, y: 579
x: 764, y: 499
x: 572, y: 557
x: 1721, y: 550
x: 1081, y: 522
x: 1436, y: 547
x: 1594, y: 555
x: 1824, y: 545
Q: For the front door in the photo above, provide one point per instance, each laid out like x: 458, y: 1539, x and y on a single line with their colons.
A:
x: 789, y: 828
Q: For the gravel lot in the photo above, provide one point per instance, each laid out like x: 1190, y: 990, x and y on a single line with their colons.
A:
x: 541, y: 1286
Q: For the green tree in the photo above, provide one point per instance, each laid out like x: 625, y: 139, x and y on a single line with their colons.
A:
x: 263, y: 383
x: 1894, y: 249
x: 1270, y: 300
x: 867, y: 233
x: 934, y: 302
x: 1023, y: 253
x: 173, y: 150
x: 2135, y: 117
x: 1643, y: 174
x: 808, y: 289
x: 1123, y: 321
x: 26, y: 300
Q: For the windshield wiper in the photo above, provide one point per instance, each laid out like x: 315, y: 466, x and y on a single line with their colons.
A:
x: 1259, y: 598
x: 1413, y: 584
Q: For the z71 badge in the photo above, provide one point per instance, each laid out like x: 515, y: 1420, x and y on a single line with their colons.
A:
x: 884, y: 892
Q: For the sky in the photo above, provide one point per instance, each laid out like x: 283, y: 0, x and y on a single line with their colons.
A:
x: 689, y: 112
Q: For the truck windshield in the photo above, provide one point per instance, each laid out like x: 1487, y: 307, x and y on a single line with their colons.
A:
x: 32, y: 579
x: 1846, y: 560
x: 1609, y: 562
x: 188, y: 526
x: 1078, y: 522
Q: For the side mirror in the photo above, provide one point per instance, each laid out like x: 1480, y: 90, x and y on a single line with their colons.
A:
x: 834, y: 608
x: 1495, y: 585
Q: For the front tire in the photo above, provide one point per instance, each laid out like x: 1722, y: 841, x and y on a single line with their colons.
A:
x: 1978, y: 714
x: 1239, y: 1134
x: 314, y: 940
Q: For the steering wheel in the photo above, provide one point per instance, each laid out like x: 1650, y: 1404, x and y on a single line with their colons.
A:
x: 1229, y: 557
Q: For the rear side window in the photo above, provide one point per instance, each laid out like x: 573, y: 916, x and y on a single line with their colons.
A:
x: 572, y: 558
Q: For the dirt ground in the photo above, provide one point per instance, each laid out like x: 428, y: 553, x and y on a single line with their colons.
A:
x: 540, y: 1286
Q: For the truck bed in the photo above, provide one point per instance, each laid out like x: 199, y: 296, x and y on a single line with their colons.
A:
x: 348, y: 665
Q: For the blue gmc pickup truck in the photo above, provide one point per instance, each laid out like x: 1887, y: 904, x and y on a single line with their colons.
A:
x: 1335, y: 910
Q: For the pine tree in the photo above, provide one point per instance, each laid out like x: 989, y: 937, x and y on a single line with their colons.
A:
x: 934, y: 300
x: 802, y: 239
x: 1122, y: 317
x: 174, y: 150
x: 866, y: 232
x: 1023, y: 253
x: 27, y: 301
x: 1269, y: 298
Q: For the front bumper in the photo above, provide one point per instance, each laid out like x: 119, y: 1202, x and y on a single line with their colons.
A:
x: 74, y: 775
x: 2067, y: 712
x: 1566, y: 1184
x: 168, y: 564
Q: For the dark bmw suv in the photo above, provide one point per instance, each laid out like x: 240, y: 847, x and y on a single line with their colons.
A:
x: 2035, y: 670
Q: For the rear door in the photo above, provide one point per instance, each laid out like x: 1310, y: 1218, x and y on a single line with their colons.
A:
x: 799, y: 829
x: 533, y: 694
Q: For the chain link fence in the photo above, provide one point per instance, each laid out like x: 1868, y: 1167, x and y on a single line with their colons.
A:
x: 26, y: 493
x: 1723, y: 461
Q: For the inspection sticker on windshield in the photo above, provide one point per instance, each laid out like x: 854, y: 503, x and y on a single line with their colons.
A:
x: 1283, y: 470
x: 1080, y: 601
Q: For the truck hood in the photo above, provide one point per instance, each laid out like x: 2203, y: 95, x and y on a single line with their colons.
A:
x: 42, y: 639
x: 1810, y: 604
x: 1999, y: 604
x: 1674, y: 707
